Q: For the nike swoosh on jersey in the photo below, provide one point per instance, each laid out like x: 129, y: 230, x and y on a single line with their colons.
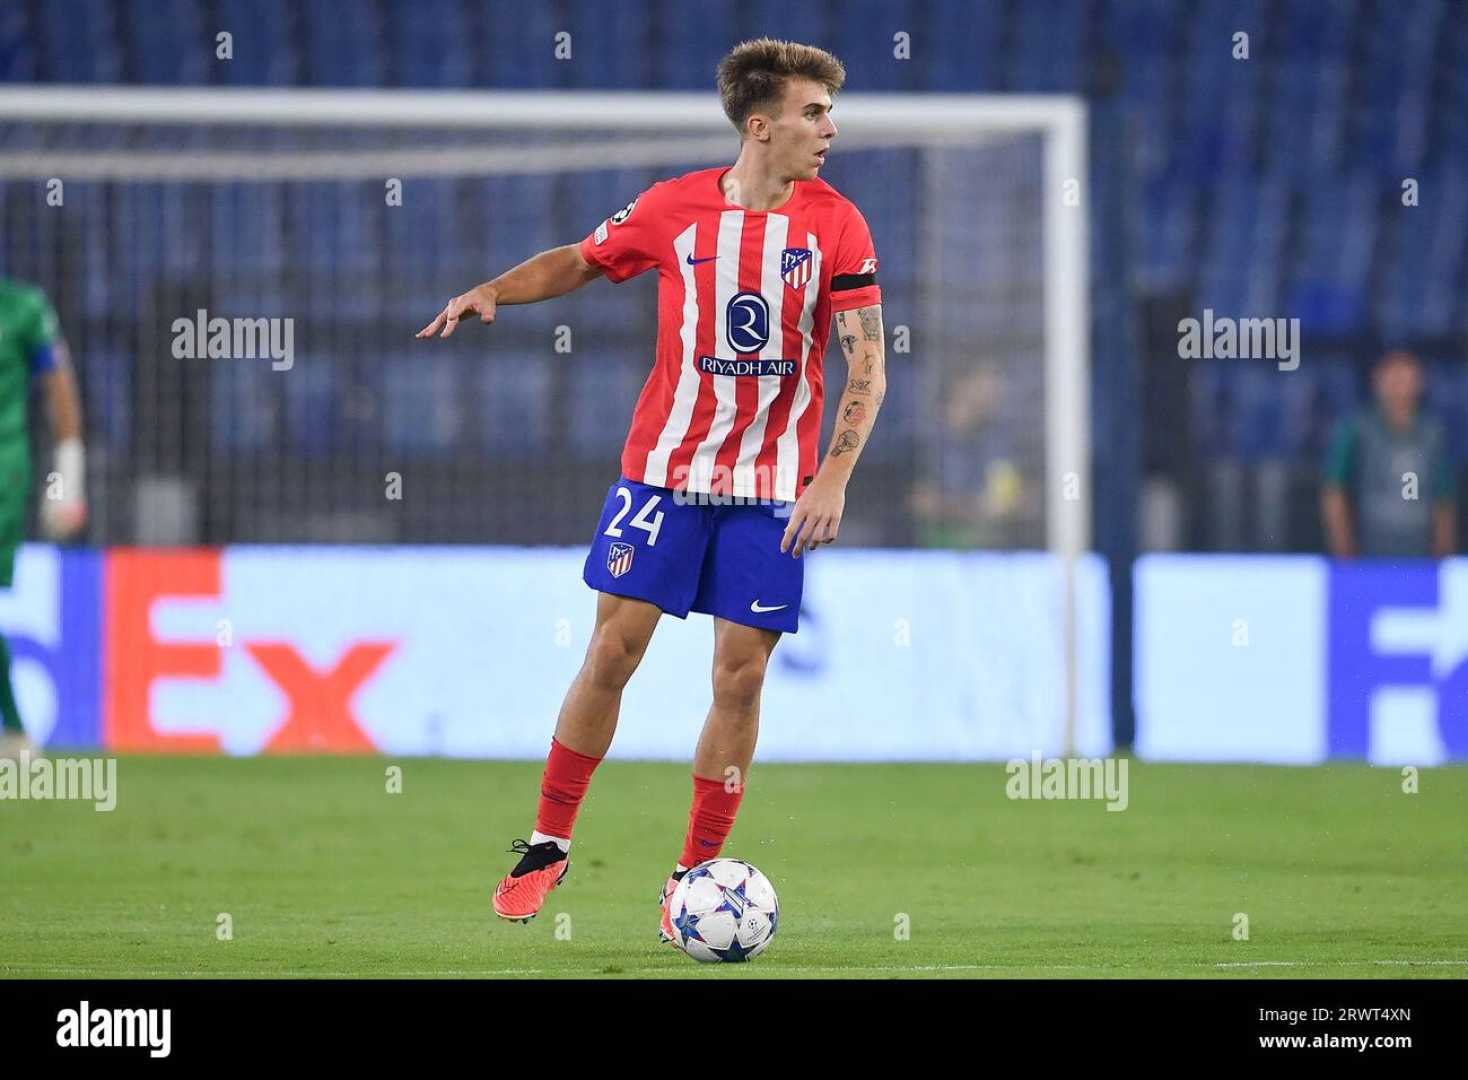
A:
x: 754, y: 606
x: 694, y: 262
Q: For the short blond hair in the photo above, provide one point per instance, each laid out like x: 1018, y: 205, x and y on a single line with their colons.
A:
x: 753, y: 75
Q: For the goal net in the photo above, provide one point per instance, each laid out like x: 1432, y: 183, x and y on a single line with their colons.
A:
x: 340, y: 222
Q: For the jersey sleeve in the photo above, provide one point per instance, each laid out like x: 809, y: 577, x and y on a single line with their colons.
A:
x: 1340, y: 456
x: 41, y: 333
x: 630, y: 241
x: 854, y: 267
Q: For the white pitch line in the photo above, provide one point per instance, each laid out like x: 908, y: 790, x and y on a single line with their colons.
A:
x: 1327, y: 963
x: 490, y: 973
x: 494, y: 972
x: 113, y: 973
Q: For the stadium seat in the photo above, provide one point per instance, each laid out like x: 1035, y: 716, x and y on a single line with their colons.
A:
x: 98, y: 277
x: 793, y: 22
x: 243, y: 407
x: 520, y: 217
x: 1418, y: 295
x: 1218, y: 127
x: 690, y: 41
x: 1340, y: 232
x: 1167, y: 233
x: 107, y: 376
x: 311, y: 401
x: 1258, y: 421
x: 606, y: 389
x: 359, y: 384
x: 1443, y: 391
x: 265, y: 50
x: 513, y: 418
x: 1146, y: 34
x: 870, y: 27
x: 608, y: 52
x: 20, y: 59
x: 1449, y: 142
x: 170, y: 43
x: 342, y: 51
x: 1210, y: 407
x: 248, y: 244
x: 1228, y: 245
x: 427, y: 44
x: 1340, y: 383
x: 424, y: 412
x: 82, y: 42
x: 412, y: 235
x: 1047, y: 56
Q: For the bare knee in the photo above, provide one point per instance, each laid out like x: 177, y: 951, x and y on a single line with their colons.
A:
x: 738, y: 681
x: 612, y: 657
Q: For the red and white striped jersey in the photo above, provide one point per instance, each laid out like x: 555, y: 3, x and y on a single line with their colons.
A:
x: 745, y: 300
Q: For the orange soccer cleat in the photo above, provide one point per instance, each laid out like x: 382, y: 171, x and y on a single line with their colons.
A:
x: 541, y: 868
x: 665, y: 928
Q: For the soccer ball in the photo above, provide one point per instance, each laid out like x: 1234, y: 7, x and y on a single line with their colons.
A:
x: 725, y: 911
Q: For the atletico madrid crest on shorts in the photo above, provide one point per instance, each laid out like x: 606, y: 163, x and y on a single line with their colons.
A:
x: 619, y: 559
x: 795, y: 267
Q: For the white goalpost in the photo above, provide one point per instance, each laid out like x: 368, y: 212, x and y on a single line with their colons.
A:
x: 993, y: 278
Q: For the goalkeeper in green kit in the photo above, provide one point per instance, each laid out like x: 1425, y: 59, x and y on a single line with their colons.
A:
x: 31, y: 348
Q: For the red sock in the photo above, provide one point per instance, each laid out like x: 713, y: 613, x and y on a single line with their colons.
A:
x: 710, y: 820
x: 562, y: 787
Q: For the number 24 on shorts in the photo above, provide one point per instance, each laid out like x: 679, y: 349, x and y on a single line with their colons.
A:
x: 641, y: 521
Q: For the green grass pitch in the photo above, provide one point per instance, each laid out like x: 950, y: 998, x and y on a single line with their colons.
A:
x: 323, y: 873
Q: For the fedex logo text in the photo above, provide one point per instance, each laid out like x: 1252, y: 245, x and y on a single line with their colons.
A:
x: 1398, y: 661
x: 172, y: 691
x: 51, y: 619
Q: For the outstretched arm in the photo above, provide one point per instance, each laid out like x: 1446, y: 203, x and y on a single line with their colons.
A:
x: 551, y: 273
x: 817, y: 514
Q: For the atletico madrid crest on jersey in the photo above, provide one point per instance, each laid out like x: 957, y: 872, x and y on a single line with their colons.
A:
x: 619, y: 559
x: 795, y: 267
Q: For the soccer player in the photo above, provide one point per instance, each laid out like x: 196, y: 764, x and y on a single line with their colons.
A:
x: 753, y: 260
x: 1365, y: 506
x: 31, y: 347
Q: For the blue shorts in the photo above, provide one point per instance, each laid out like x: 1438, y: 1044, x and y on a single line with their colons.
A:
x: 697, y: 555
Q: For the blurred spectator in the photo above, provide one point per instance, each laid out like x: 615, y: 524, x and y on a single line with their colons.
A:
x: 1390, y: 485
x: 974, y: 493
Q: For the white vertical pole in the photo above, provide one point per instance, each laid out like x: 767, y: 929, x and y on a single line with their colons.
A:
x: 1067, y: 373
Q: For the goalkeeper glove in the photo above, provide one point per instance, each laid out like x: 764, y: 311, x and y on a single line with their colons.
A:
x: 64, y: 508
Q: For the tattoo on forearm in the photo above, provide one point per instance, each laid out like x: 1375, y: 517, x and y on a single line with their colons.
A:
x: 847, y: 442
x: 859, y: 386
x: 871, y: 324
x: 854, y: 413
